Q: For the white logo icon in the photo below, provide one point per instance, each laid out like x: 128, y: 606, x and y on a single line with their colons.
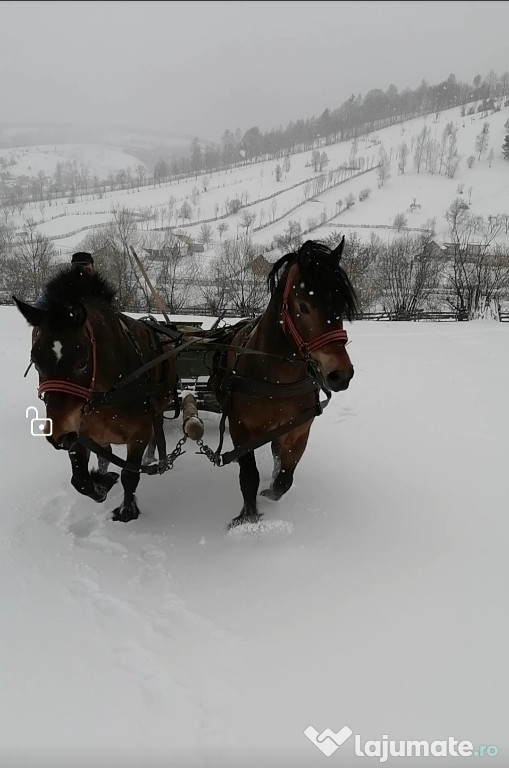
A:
x: 39, y: 427
x: 328, y: 741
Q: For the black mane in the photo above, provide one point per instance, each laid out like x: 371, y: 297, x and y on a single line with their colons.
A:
x: 73, y: 286
x: 322, y: 274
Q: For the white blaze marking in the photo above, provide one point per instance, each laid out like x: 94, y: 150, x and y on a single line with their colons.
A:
x: 57, y: 349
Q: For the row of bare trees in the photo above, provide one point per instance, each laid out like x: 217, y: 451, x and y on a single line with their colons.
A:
x: 404, y: 277
x: 412, y: 275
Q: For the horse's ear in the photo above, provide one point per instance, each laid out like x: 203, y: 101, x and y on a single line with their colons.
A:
x: 305, y: 253
x: 337, y: 253
x: 32, y: 315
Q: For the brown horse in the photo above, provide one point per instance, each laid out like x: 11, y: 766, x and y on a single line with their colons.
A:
x: 303, y: 343
x: 83, y: 346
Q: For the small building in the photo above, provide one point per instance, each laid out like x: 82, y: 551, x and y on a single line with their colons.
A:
x: 260, y: 265
x: 472, y: 250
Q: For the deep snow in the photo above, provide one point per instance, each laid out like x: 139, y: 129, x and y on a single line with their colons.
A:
x: 379, y: 599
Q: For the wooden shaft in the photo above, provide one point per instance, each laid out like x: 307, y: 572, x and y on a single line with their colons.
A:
x: 191, y: 422
x: 155, y: 295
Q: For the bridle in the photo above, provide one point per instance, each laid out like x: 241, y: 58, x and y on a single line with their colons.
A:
x: 305, y: 347
x: 68, y: 387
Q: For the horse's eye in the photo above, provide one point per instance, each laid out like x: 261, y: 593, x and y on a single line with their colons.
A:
x: 303, y: 308
x: 81, y: 365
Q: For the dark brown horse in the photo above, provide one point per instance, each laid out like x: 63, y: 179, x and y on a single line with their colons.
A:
x: 82, y: 347
x: 303, y: 343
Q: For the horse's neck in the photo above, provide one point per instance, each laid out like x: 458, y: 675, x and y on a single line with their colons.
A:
x: 112, y: 343
x: 268, y: 336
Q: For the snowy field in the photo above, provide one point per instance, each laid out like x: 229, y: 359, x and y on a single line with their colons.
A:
x: 377, y: 599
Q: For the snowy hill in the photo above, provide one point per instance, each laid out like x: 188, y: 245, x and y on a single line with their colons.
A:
x: 30, y: 149
x: 421, y: 197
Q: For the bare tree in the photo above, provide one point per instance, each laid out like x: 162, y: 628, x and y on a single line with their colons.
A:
x: 315, y: 159
x: 234, y: 206
x: 171, y: 207
x: 205, y: 181
x: 420, y: 148
x: 448, y: 131
x: 400, y: 221
x: 141, y: 174
x: 409, y: 273
x: 432, y: 155
x: 290, y: 239
x: 324, y: 159
x: 205, y: 236
x: 246, y: 219
x: 359, y: 260
x: 186, y: 212
x: 481, y: 140
x: 29, y: 267
x: 452, y: 158
x: 403, y: 155
x: 110, y: 247
x: 222, y: 228
x: 246, y: 289
x: 177, y: 274
x: 384, y: 167
x: 213, y: 288
x: 478, y: 273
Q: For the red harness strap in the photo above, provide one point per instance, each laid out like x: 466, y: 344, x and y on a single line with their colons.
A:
x: 289, y: 328
x: 69, y: 387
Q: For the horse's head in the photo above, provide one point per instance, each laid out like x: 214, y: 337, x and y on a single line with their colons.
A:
x: 316, y: 295
x: 63, y: 353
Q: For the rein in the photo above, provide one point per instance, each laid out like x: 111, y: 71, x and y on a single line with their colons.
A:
x: 305, y: 348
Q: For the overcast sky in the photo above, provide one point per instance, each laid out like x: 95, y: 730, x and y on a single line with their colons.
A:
x: 199, y: 67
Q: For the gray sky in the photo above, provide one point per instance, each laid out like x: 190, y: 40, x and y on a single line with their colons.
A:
x: 200, y: 67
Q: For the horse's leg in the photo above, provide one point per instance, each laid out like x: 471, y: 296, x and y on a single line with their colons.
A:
x: 287, y: 452
x: 128, y: 510
x: 93, y: 484
x: 102, y: 466
x: 150, y: 453
x: 249, y: 482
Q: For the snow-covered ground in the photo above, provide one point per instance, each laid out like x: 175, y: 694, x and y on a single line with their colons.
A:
x: 377, y: 599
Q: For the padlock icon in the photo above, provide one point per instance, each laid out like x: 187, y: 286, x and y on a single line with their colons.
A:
x: 39, y: 427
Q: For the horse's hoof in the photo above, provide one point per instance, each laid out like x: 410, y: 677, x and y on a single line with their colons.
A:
x: 103, y: 483
x: 245, y: 517
x: 100, y: 493
x: 269, y: 493
x: 126, y: 512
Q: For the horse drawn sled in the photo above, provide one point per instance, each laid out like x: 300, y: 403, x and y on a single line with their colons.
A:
x: 109, y: 379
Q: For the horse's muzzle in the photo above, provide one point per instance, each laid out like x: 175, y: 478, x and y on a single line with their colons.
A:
x: 337, y: 382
